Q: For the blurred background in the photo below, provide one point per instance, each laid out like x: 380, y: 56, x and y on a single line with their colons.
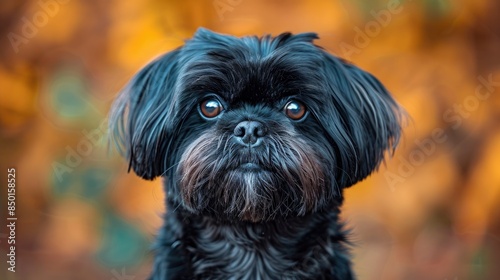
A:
x: 430, y: 213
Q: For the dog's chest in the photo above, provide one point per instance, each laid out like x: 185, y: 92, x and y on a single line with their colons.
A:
x: 243, y: 253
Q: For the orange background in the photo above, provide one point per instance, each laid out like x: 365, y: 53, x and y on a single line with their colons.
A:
x: 430, y: 213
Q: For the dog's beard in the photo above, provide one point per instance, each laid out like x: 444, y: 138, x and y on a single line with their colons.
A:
x: 282, y: 177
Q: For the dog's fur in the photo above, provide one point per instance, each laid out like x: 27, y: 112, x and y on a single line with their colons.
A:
x: 278, y: 219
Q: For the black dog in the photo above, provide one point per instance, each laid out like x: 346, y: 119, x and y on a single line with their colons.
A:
x: 256, y: 138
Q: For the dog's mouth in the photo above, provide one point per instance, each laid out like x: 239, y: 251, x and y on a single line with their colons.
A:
x: 250, y: 167
x: 245, y: 160
x: 284, y: 178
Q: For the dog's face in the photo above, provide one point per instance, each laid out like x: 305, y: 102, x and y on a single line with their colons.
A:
x: 254, y: 129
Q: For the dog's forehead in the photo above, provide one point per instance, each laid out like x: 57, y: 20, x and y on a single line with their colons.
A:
x: 260, y: 82
x: 250, y: 69
x: 251, y: 80
x: 240, y: 81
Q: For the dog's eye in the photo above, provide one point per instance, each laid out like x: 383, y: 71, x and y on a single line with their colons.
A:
x: 210, y: 108
x: 295, y: 110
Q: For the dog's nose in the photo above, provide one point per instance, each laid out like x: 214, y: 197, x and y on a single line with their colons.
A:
x: 250, y: 132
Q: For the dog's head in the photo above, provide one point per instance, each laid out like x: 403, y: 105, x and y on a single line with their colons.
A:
x: 254, y: 128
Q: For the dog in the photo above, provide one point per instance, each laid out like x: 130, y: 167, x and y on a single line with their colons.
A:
x: 255, y: 138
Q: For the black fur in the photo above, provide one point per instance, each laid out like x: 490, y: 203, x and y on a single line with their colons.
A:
x: 278, y: 220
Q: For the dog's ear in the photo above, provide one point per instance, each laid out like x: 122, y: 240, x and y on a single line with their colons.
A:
x: 142, y: 118
x: 363, y: 120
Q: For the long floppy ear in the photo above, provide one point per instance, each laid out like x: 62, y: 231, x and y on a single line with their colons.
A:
x: 364, y: 122
x: 142, y: 118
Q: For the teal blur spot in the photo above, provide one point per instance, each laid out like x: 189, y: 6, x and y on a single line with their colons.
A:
x: 94, y: 182
x: 368, y: 6
x: 122, y: 244
x: 478, y: 264
x: 62, y: 180
x: 439, y: 8
x: 68, y: 95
